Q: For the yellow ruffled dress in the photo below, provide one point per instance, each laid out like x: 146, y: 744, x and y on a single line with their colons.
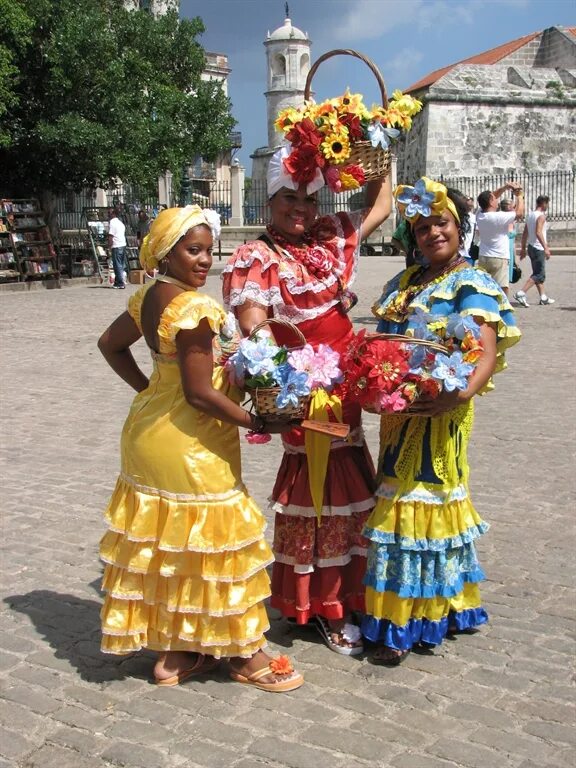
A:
x: 185, y: 552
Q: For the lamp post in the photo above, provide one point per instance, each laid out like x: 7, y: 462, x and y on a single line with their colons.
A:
x: 185, y: 187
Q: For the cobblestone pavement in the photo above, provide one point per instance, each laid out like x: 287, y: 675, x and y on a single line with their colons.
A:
x: 501, y: 698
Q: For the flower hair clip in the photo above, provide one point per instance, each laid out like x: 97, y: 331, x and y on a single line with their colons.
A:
x: 426, y: 198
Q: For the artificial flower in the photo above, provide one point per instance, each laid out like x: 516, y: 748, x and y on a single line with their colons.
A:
x: 452, y: 371
x: 281, y: 665
x: 293, y: 386
x: 228, y: 328
x: 302, y: 163
x: 352, y: 176
x: 286, y: 118
x: 417, y: 200
x: 304, y: 134
x: 318, y: 261
x: 325, y: 371
x: 458, y: 325
x: 381, y: 136
x: 354, y: 126
x: 257, y: 438
x: 419, y: 325
x: 348, y: 181
x: 405, y: 103
x: 388, y: 363
x: 336, y: 147
x: 350, y: 102
x: 393, y: 403
x: 332, y: 176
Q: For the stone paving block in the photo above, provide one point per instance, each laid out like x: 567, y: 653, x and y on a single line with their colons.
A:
x: 390, y: 731
x: 87, y: 744
x: 499, y: 680
x: 19, y: 717
x: 50, y: 756
x: 467, y: 755
x: 410, y: 760
x: 33, y: 699
x: 358, y: 743
x: 203, y: 753
x: 150, y: 734
x: 228, y: 735
x: 128, y: 754
x: 558, y: 712
x: 8, y: 661
x: 80, y: 718
x: 13, y: 745
x: 553, y: 733
x: 40, y: 676
x: 270, y: 721
x: 426, y: 700
x: 493, y: 718
x: 353, y: 703
x: 296, y: 755
x: 91, y: 697
x: 513, y: 744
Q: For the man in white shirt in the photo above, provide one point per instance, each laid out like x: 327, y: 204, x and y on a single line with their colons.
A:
x: 493, y: 226
x: 117, y: 245
x: 534, y: 236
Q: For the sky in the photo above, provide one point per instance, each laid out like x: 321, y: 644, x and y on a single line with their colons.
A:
x: 407, y: 39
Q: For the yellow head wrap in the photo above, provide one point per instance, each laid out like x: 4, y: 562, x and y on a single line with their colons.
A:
x: 425, y: 198
x: 169, y: 226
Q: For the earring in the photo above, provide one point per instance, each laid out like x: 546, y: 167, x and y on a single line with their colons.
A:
x: 165, y: 262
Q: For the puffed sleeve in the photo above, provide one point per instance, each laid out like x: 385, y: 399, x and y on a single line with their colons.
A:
x: 252, y: 274
x: 135, y: 304
x: 186, y: 311
x: 473, y: 292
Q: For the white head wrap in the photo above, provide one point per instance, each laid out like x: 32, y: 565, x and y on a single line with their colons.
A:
x: 278, y: 177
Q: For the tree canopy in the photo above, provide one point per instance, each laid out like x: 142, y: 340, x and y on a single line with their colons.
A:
x: 91, y: 92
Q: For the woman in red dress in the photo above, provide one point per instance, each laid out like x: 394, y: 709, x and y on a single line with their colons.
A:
x: 300, y: 272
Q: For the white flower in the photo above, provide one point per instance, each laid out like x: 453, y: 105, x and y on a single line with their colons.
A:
x: 228, y: 328
x: 213, y: 219
x: 351, y: 633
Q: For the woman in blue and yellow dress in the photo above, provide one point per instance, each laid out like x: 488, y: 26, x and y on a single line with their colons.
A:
x: 185, y: 552
x: 423, y: 571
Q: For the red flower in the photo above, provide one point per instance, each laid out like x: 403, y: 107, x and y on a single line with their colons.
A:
x: 356, y: 172
x: 302, y: 163
x: 388, y: 364
x: 352, y: 122
x: 318, y: 261
x: 304, y: 134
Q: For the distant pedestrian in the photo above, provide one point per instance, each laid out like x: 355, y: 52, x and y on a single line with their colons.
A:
x: 469, y: 249
x: 117, y: 245
x: 534, y: 236
x: 508, y: 205
x: 492, y: 224
x: 142, y: 227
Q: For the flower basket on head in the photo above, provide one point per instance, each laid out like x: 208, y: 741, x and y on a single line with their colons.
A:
x: 388, y: 373
x: 280, y: 379
x: 347, y: 142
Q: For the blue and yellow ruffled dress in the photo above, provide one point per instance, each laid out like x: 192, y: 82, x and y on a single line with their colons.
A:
x: 423, y: 572
x: 185, y: 551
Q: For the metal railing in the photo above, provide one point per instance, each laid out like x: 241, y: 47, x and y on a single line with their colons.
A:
x: 560, y: 186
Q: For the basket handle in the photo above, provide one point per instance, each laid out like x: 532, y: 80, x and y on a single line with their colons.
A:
x: 408, y: 339
x: 347, y: 52
x: 285, y: 324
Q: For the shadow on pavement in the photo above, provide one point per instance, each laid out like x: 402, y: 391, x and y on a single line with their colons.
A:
x: 71, y: 627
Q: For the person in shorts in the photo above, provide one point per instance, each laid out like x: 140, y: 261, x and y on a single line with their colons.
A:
x: 493, y: 226
x: 534, y: 236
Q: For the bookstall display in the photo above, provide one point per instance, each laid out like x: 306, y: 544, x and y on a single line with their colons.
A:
x: 26, y: 248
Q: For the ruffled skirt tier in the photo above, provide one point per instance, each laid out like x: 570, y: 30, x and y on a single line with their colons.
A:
x: 423, y: 572
x: 184, y: 575
x: 319, y: 567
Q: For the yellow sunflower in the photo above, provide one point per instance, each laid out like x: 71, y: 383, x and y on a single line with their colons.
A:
x: 351, y: 102
x: 286, y: 118
x: 336, y: 147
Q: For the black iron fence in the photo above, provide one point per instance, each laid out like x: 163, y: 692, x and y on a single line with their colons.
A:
x: 560, y: 186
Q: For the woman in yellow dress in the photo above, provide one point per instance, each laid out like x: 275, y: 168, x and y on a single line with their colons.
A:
x: 185, y: 551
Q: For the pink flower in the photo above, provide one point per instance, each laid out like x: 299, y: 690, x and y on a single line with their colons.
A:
x: 321, y: 366
x: 393, y: 403
x: 318, y: 261
x: 257, y: 438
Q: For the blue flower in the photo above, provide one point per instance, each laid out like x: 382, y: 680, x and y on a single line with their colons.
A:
x: 458, y: 325
x: 452, y: 371
x: 418, y: 323
x: 236, y: 367
x: 380, y: 135
x: 417, y: 358
x: 294, y: 385
x: 416, y: 200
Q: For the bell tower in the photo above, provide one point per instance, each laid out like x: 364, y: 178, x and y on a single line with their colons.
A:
x: 288, y: 62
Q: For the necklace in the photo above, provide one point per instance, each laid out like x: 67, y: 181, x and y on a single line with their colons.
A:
x: 399, y: 307
x: 316, y: 258
x: 174, y: 281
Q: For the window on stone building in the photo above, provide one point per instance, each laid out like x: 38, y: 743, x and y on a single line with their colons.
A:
x: 278, y: 65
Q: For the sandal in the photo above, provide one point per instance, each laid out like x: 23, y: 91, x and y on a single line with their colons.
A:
x: 349, y: 632
x: 279, y: 667
x: 202, y: 665
x: 389, y: 661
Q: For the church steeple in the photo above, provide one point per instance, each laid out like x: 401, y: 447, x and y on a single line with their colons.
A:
x: 288, y: 61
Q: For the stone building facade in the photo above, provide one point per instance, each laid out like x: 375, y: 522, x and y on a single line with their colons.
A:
x: 507, y: 110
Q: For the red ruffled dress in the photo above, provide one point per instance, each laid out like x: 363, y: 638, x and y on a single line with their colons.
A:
x: 318, y: 569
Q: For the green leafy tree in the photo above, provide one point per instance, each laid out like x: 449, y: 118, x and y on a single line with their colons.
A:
x: 102, y: 94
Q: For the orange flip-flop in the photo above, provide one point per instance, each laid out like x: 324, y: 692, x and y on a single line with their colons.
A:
x: 200, y: 667
x: 279, y: 667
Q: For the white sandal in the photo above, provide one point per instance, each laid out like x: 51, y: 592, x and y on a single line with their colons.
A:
x: 349, y: 632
